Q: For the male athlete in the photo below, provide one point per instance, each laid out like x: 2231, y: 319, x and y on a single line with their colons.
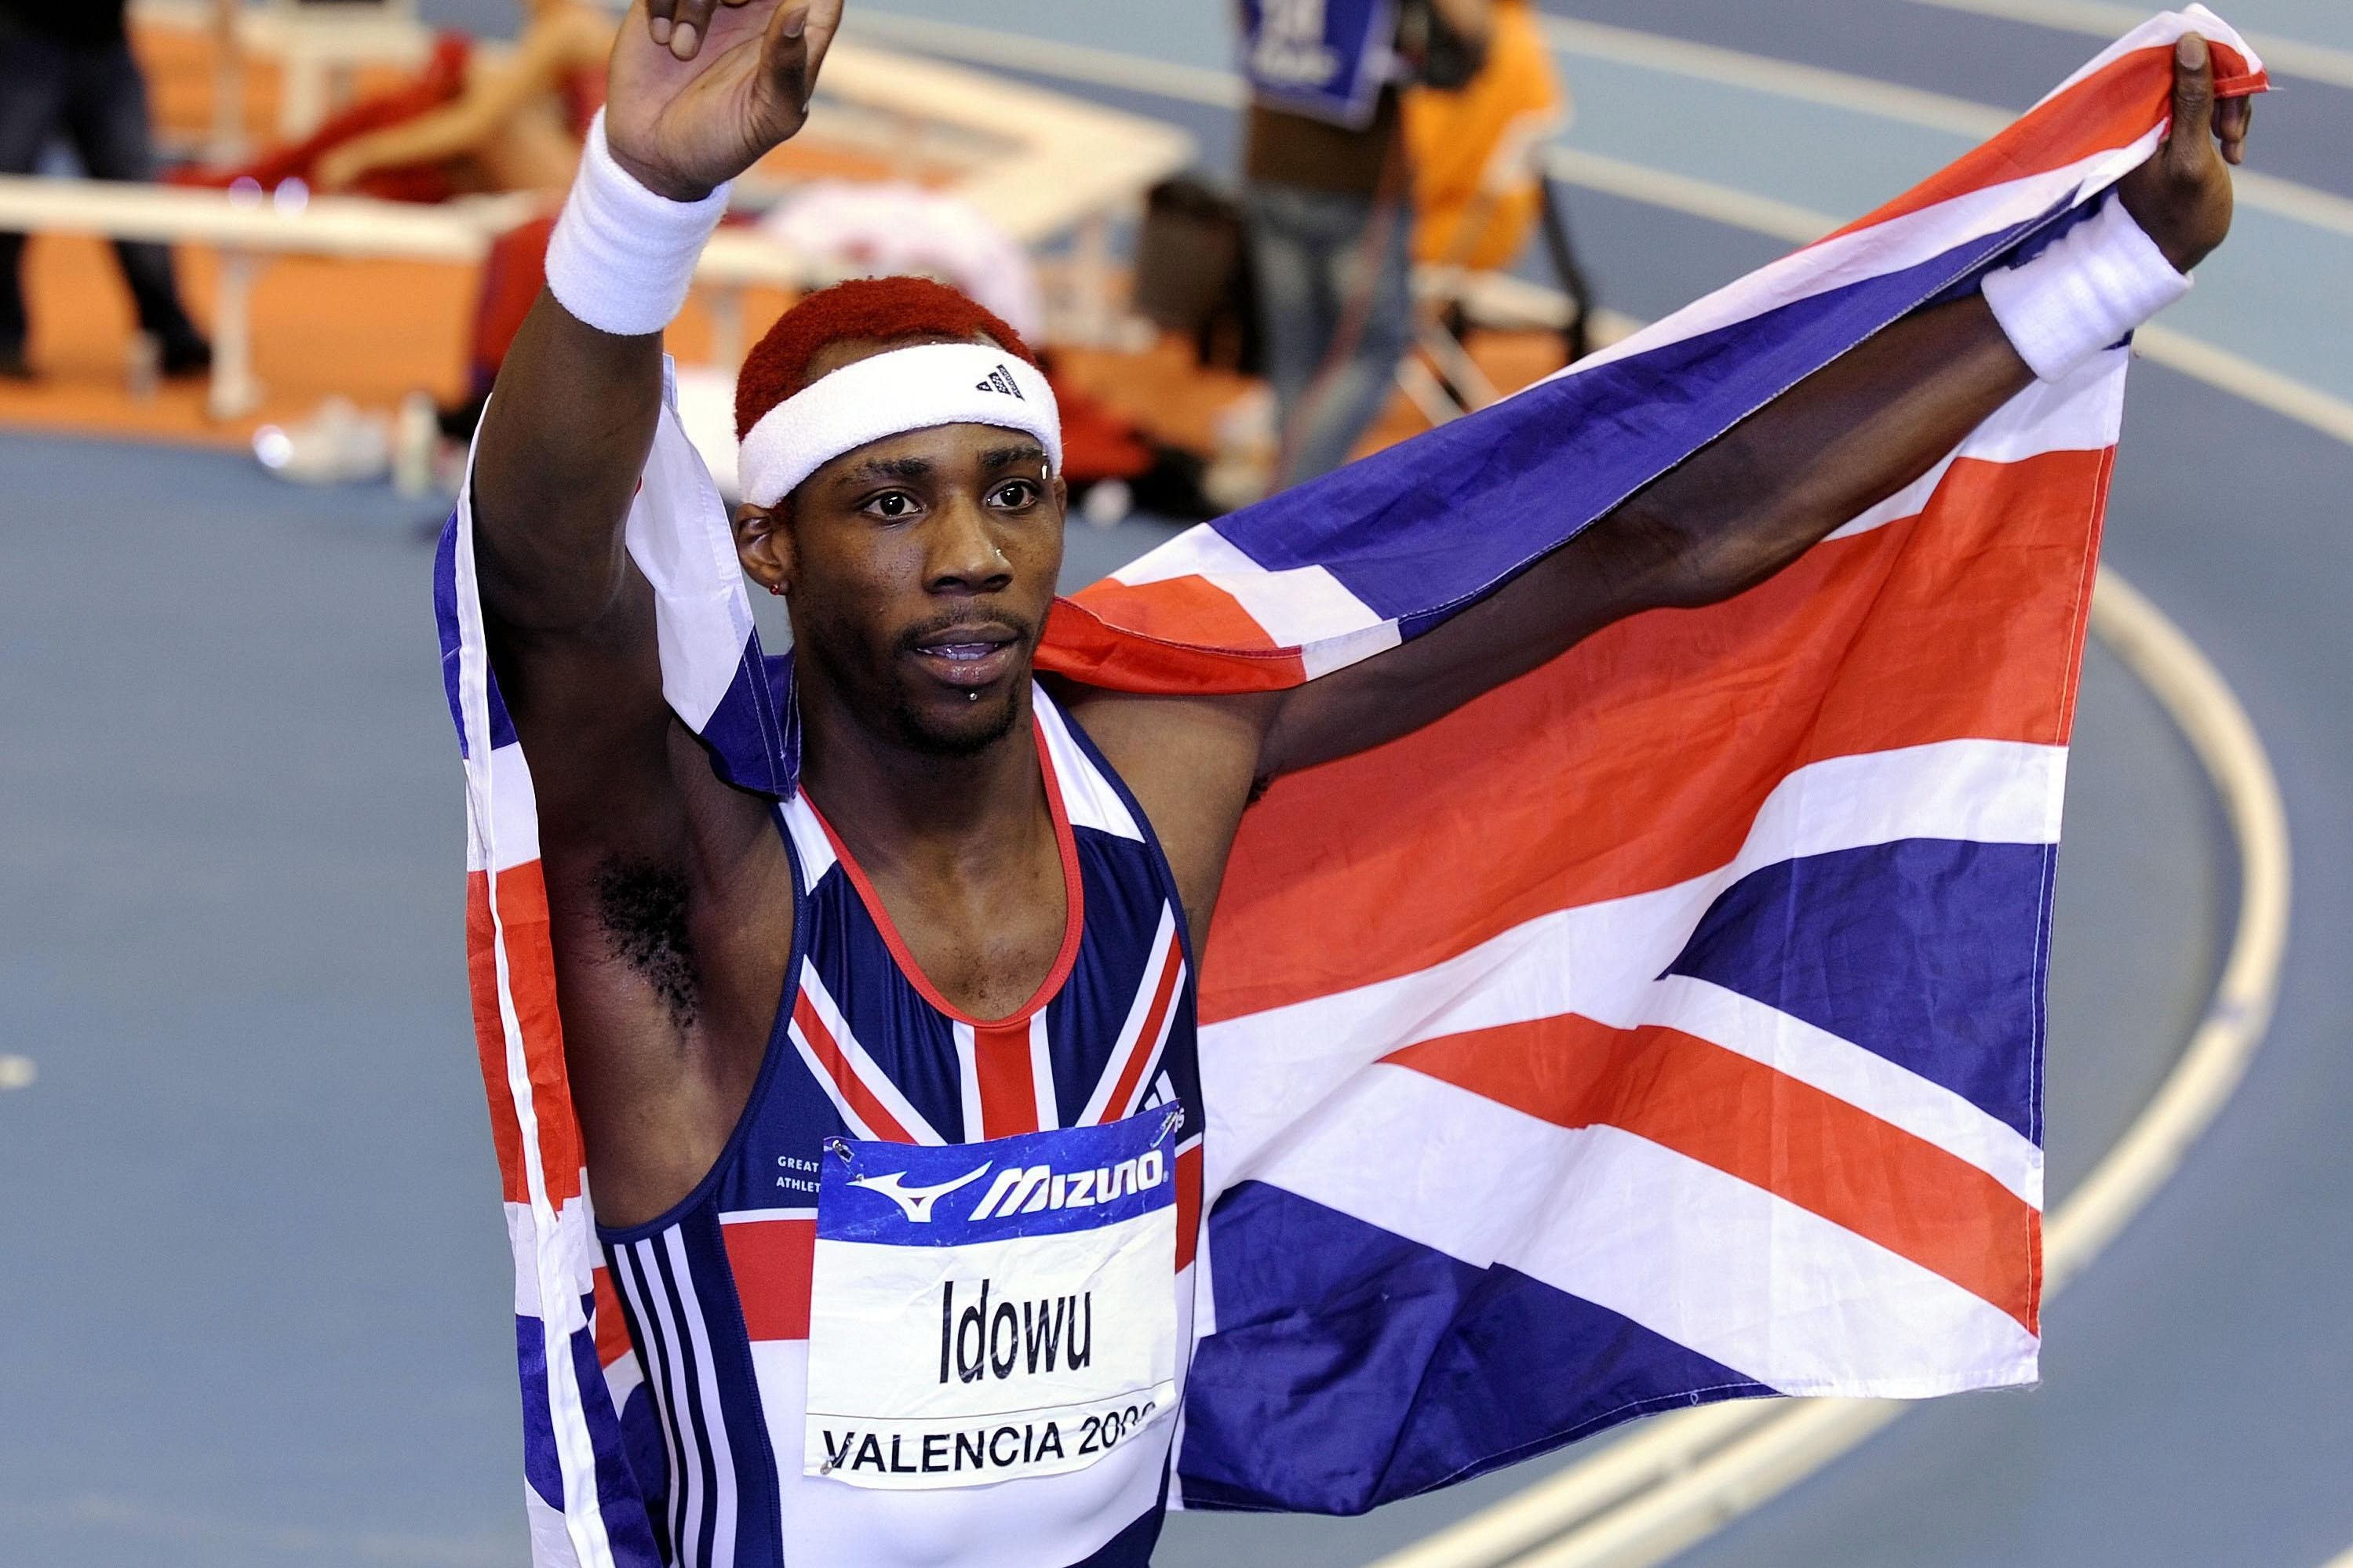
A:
x: 942, y: 997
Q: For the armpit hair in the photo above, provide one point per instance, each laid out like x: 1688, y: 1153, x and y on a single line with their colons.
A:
x: 643, y: 907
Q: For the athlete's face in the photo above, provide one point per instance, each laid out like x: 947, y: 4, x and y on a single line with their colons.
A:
x: 918, y: 571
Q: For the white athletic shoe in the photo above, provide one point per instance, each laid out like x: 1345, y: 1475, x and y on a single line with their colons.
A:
x: 338, y: 445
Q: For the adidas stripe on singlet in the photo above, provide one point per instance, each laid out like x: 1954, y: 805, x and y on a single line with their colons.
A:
x: 715, y: 1293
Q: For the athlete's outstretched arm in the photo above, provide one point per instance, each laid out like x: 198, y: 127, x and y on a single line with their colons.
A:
x: 1739, y: 510
x: 697, y: 91
x: 667, y: 900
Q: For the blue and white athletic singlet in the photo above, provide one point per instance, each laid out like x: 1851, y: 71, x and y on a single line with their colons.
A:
x: 716, y: 1293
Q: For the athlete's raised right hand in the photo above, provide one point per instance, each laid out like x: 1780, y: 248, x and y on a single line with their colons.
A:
x: 699, y: 89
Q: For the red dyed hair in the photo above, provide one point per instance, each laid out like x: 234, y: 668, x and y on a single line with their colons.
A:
x: 887, y: 309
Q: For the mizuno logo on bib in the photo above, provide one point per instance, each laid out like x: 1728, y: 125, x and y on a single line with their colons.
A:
x: 980, y: 1312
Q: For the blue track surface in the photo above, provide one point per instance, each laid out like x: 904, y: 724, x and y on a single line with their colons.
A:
x: 255, y: 1291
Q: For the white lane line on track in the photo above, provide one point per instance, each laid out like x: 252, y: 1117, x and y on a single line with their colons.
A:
x: 1783, y: 78
x: 1687, y: 193
x: 2104, y: 19
x: 1785, y: 221
x: 1884, y: 101
x: 18, y: 1072
x: 2244, y: 379
x: 2342, y: 1559
x: 1049, y: 57
x: 2195, y: 357
x: 1705, y: 62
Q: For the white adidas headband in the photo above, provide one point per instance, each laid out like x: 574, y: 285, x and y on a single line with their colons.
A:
x: 890, y: 394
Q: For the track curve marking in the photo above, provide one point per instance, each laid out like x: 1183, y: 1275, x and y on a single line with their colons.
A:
x: 2217, y: 366
x: 2104, y: 20
x: 1887, y: 100
x: 2192, y: 356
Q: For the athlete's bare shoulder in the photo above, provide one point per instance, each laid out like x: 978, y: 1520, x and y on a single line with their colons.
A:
x: 1192, y: 762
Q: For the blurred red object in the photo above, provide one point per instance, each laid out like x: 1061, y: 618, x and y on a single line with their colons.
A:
x: 441, y: 81
x: 512, y: 276
x: 1097, y: 442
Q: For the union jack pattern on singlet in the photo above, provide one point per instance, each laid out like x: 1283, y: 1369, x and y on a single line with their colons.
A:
x: 715, y: 1294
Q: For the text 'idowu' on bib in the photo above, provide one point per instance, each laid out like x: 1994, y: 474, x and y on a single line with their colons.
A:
x: 979, y: 1312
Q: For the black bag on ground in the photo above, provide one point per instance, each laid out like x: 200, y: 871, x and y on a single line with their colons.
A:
x: 1193, y: 274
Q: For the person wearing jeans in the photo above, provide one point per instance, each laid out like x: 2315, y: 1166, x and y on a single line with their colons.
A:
x: 1327, y: 198
x: 1334, y: 289
x: 66, y: 65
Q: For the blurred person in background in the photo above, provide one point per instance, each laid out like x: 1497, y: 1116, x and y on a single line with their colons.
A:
x: 464, y: 124
x: 1327, y: 195
x: 66, y: 67
x: 513, y: 124
x: 1477, y: 157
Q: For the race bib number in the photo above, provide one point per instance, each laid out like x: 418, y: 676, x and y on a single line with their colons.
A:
x: 979, y: 1312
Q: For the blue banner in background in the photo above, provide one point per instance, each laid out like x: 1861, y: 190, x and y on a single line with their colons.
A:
x: 1323, y: 58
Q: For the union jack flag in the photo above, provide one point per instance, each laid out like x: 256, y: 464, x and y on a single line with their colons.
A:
x: 1663, y: 1027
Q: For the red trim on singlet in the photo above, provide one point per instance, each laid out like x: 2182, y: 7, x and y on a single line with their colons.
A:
x: 1073, y: 925
x: 1188, y: 1203
x: 1143, y: 1051
x: 772, y: 1260
x: 839, y: 1067
x: 1002, y: 1071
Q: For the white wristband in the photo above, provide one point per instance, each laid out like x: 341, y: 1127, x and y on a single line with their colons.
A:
x: 621, y: 256
x: 2087, y: 289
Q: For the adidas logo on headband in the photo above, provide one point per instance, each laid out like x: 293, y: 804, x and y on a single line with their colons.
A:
x: 905, y: 389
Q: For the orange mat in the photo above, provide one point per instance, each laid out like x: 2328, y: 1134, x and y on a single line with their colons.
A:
x: 375, y: 330
x: 370, y: 330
